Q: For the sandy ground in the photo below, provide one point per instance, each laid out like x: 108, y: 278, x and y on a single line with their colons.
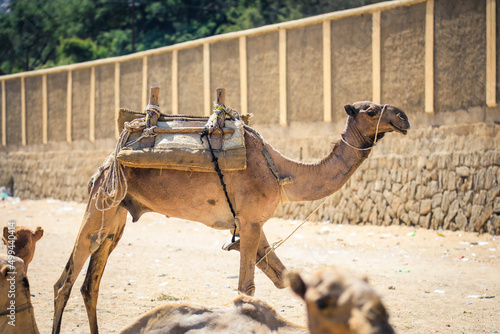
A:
x: 447, y: 282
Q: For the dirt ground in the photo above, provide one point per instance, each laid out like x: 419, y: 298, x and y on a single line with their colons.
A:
x: 431, y: 282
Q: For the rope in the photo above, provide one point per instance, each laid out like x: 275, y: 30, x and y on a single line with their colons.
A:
x: 214, y: 124
x: 113, y: 188
x: 282, y: 241
x: 24, y: 307
x: 376, y: 134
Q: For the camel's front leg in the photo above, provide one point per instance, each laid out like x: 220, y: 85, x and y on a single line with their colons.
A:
x: 86, y: 243
x: 270, y: 265
x: 250, y: 236
x: 98, y: 260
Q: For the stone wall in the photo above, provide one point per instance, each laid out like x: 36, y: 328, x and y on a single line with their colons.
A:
x: 59, y: 171
x: 436, y: 177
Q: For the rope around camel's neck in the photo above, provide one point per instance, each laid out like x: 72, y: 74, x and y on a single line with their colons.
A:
x: 363, y: 137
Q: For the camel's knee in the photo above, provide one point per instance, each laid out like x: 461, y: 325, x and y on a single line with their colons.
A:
x: 96, y: 240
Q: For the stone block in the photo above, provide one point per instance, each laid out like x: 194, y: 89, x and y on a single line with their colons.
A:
x: 461, y: 220
x: 425, y: 221
x: 437, y: 218
x: 452, y: 181
x: 431, y: 189
x: 463, y: 171
x: 452, y: 212
x: 496, y: 205
x: 396, y: 187
x: 481, y: 220
x: 425, y: 207
x: 437, y: 200
x: 414, y: 218
x: 490, y: 178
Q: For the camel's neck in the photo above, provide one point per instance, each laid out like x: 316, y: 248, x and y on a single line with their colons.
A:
x: 318, y: 180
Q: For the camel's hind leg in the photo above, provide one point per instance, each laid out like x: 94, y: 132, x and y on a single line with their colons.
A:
x: 85, y: 245
x: 271, y: 265
x: 98, y: 260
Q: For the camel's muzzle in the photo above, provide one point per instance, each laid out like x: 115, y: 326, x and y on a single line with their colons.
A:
x: 401, y: 123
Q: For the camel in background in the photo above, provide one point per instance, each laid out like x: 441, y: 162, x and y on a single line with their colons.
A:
x: 336, y: 303
x: 198, y: 196
x: 24, y: 242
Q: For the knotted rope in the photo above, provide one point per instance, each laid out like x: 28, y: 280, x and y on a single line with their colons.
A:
x: 113, y: 187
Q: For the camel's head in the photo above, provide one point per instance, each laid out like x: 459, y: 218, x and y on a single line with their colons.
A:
x: 24, y: 240
x: 366, y: 115
x: 339, y: 303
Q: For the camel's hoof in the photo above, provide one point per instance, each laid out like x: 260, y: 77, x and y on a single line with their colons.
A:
x: 229, y: 245
x: 281, y: 284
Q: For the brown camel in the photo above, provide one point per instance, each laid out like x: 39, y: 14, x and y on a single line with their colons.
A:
x: 197, y: 196
x: 340, y: 303
x: 336, y: 303
x: 16, y: 312
x: 23, y: 241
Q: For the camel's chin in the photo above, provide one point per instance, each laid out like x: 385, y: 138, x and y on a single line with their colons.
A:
x: 399, y: 130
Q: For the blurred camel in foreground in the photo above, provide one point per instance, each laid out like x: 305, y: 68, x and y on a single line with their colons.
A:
x: 336, y: 303
x: 24, y: 240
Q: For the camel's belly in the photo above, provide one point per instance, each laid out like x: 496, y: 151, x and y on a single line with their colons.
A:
x: 197, y: 196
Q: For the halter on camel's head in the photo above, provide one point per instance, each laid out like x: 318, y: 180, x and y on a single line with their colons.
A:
x: 372, y: 121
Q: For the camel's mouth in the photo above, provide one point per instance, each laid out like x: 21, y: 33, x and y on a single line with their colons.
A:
x: 399, y: 129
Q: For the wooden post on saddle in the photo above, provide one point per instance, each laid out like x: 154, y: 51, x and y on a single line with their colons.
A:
x: 217, y: 134
x: 154, y: 98
x: 152, y: 115
x: 221, y: 96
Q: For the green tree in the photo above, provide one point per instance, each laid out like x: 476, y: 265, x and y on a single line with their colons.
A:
x: 41, y: 33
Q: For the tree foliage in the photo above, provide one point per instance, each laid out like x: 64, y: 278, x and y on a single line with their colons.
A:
x: 43, y: 33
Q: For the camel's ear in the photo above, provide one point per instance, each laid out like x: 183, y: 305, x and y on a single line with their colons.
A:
x: 38, y: 234
x: 350, y: 110
x: 4, y: 270
x: 297, y: 284
x: 5, y: 235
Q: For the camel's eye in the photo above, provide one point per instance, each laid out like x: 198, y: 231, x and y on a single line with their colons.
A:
x: 371, y: 113
x: 322, y: 303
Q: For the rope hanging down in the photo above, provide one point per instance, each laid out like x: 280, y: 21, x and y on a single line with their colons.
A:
x: 216, y: 124
x: 113, y: 188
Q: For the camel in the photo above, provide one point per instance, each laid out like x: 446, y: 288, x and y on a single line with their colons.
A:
x: 16, y: 312
x: 198, y: 196
x: 336, y: 303
x: 24, y: 240
x: 340, y: 303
